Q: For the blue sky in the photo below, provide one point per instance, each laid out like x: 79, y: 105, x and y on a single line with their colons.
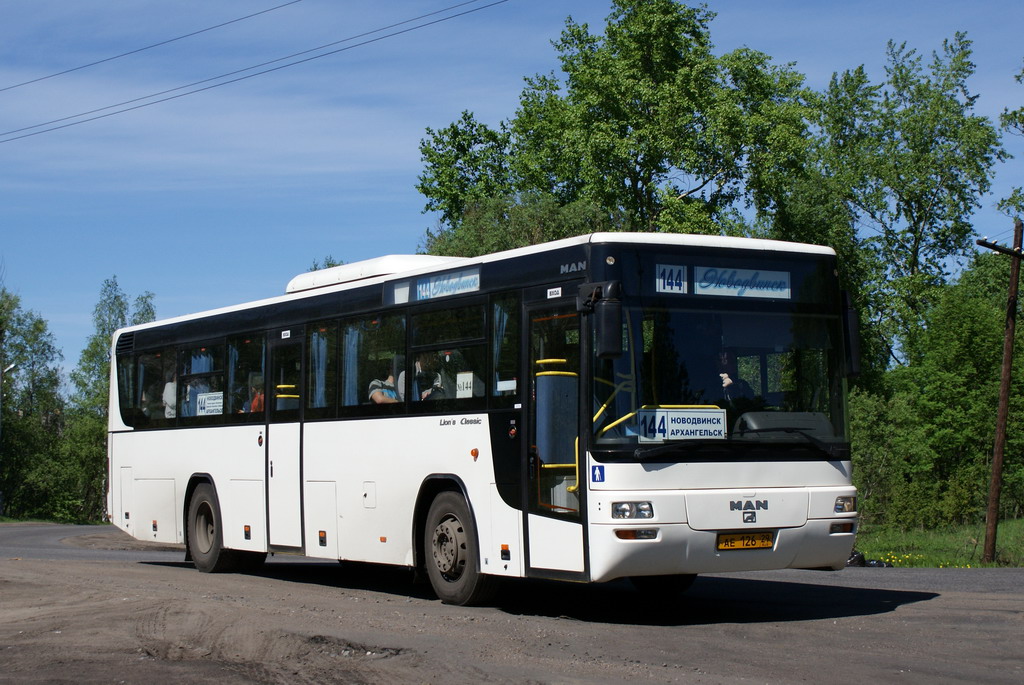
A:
x: 221, y: 197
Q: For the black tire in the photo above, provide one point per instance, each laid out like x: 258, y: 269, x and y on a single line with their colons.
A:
x: 205, y: 533
x: 452, y: 556
x: 663, y: 586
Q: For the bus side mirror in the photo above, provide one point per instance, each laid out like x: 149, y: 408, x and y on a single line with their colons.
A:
x: 851, y: 333
x: 602, y: 300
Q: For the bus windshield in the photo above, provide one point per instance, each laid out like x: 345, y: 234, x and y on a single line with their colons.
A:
x: 722, y: 378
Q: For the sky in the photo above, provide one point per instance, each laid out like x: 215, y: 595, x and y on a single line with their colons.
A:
x: 222, y: 196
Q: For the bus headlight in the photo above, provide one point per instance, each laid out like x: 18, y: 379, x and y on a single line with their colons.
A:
x: 846, y: 504
x: 632, y: 510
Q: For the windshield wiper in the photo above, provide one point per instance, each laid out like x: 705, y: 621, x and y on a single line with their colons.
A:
x: 832, y: 449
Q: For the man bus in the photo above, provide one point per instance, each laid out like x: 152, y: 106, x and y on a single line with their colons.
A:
x: 649, y: 406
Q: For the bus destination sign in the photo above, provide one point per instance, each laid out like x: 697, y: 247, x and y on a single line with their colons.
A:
x: 681, y: 423
x: 444, y: 285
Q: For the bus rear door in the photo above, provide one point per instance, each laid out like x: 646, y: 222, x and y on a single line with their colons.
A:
x: 284, y: 439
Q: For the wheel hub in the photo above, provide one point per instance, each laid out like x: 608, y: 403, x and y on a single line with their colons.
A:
x: 449, y: 539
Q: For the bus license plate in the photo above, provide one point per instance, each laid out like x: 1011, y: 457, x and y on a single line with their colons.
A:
x: 727, y: 541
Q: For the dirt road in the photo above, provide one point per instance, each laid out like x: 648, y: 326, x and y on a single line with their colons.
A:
x: 149, y: 617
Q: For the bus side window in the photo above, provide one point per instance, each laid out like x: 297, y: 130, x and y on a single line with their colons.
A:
x: 126, y: 390
x: 246, y: 391
x: 322, y: 370
x: 505, y: 350
x: 201, y: 381
x: 450, y: 345
x: 151, y: 389
x: 369, y: 349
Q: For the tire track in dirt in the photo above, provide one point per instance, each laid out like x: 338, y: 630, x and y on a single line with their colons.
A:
x: 196, y: 631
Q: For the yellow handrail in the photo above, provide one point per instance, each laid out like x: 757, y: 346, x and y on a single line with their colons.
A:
x: 576, y: 486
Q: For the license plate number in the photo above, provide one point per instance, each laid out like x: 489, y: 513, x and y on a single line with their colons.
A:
x: 728, y: 541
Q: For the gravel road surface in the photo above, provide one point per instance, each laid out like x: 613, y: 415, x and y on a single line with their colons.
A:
x: 83, y: 604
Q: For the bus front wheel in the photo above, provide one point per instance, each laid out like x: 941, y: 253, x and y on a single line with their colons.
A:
x: 452, y: 555
x: 205, y: 536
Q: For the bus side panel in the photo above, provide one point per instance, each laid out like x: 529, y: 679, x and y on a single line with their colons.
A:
x: 226, y: 453
x: 321, y: 539
x: 243, y: 503
x: 379, y: 466
x: 124, y: 501
x: 504, y: 539
x: 155, y: 513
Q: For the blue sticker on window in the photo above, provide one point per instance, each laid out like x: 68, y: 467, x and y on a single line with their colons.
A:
x: 597, y: 474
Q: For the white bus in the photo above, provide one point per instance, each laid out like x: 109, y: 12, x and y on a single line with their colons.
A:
x: 646, y: 406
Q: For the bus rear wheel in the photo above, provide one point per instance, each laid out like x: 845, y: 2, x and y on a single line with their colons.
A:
x: 205, y: 536
x: 452, y: 555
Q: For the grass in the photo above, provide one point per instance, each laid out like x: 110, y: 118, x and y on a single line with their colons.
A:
x: 952, y: 547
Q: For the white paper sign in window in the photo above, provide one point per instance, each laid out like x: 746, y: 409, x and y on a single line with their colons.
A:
x: 464, y: 385
x: 690, y: 423
x: 209, y: 403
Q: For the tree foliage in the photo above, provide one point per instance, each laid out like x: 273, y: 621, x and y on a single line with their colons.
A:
x: 84, y: 446
x: 924, y: 445
x: 32, y: 412
x: 911, y: 160
x: 646, y: 130
x: 1012, y: 121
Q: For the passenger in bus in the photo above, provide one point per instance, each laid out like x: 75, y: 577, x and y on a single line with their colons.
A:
x: 170, y: 396
x: 383, y: 391
x: 426, y: 382
x: 256, y: 398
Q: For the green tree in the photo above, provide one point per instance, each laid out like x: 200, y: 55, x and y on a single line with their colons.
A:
x: 1013, y: 122
x: 923, y: 446
x: 647, y: 125
x: 328, y: 262
x: 466, y: 162
x: 912, y: 159
x: 32, y: 418
x: 85, y: 441
x: 502, y: 223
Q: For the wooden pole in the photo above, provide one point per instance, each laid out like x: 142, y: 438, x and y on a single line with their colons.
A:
x: 995, y: 485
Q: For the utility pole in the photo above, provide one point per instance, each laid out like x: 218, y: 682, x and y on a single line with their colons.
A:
x: 995, y: 485
x: 2, y: 373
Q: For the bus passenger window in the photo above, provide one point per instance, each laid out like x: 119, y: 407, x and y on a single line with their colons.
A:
x: 246, y: 391
x: 451, y: 357
x: 322, y: 370
x: 201, y: 381
x: 371, y: 355
x: 157, y: 391
x: 505, y: 349
x: 453, y: 375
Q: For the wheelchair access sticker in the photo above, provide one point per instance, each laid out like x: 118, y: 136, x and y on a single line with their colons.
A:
x: 597, y: 473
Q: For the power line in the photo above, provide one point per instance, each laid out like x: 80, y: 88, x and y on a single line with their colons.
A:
x: 247, y: 76
x: 148, y: 47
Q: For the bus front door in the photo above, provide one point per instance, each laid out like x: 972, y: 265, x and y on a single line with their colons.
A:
x: 554, y: 520
x: 284, y: 440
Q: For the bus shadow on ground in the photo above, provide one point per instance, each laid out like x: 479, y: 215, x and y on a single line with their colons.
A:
x: 711, y: 600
